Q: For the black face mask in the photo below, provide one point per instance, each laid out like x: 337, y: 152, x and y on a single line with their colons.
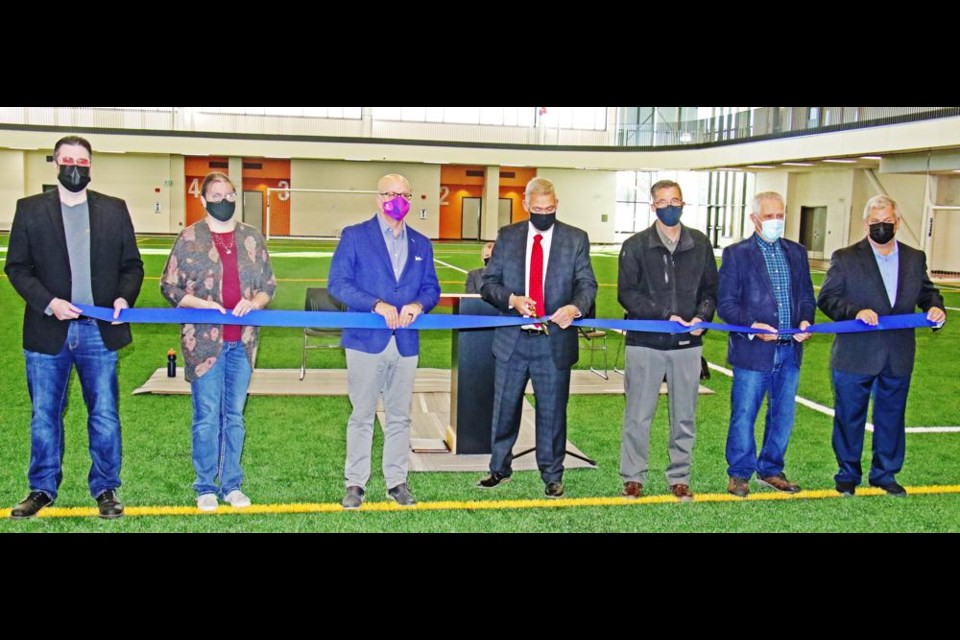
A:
x: 882, y: 232
x: 222, y: 210
x: 74, y: 178
x: 543, y: 221
x: 486, y: 261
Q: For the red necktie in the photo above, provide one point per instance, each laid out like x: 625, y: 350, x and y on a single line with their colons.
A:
x: 536, y: 275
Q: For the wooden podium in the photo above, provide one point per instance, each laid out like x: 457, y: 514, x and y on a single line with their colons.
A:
x: 471, y: 382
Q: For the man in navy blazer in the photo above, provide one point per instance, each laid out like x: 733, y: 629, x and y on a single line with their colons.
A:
x: 384, y: 267
x: 877, y: 276
x: 764, y: 283
x: 567, y: 289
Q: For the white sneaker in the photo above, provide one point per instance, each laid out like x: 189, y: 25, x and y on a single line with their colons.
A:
x: 207, y: 502
x: 237, y: 499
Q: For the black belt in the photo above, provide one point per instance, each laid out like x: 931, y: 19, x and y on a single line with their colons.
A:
x: 787, y: 340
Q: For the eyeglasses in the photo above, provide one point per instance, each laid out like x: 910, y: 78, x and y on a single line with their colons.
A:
x: 390, y: 195
x: 676, y: 202
x: 215, y: 198
x: 80, y: 162
x: 540, y: 212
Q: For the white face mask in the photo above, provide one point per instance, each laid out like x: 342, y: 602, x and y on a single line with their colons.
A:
x: 772, y: 230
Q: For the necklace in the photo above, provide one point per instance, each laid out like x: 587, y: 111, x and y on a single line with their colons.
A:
x: 217, y: 240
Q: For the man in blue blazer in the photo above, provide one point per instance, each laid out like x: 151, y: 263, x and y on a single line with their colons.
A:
x: 384, y: 267
x: 538, y: 268
x: 877, y: 276
x: 764, y: 283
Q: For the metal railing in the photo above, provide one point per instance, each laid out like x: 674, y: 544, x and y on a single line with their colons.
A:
x: 769, y: 122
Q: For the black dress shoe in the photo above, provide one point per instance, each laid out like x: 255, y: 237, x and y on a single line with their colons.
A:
x: 492, y: 480
x: 846, y: 489
x: 30, y: 505
x: 554, y: 490
x: 892, y: 489
x: 110, y: 505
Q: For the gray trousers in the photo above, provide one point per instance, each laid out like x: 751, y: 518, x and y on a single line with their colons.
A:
x: 369, y: 375
x: 645, y: 369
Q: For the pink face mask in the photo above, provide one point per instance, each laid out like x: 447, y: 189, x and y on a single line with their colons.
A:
x: 398, y: 208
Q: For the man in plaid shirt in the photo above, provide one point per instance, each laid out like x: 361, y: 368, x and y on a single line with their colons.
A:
x: 764, y: 283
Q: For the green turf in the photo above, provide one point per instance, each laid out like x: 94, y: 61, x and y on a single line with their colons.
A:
x: 295, y: 447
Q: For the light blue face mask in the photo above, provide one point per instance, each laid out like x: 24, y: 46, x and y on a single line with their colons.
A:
x: 670, y: 216
x: 772, y: 230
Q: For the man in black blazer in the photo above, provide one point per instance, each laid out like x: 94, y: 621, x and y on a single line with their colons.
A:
x: 877, y: 276
x: 565, y: 290
x: 73, y: 246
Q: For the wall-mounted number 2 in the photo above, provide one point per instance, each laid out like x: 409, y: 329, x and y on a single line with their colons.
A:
x: 444, y: 194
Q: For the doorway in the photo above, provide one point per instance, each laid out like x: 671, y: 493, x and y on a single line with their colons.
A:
x: 470, y: 221
x: 505, y: 214
x: 253, y: 209
x: 813, y: 230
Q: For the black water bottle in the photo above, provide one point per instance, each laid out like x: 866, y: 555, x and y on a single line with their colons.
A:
x: 171, y: 364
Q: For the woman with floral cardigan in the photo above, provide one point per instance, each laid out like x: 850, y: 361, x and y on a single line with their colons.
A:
x: 219, y: 263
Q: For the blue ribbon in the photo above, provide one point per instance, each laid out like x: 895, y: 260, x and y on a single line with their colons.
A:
x: 353, y: 320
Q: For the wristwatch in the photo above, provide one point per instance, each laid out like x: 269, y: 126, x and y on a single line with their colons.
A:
x: 374, y: 309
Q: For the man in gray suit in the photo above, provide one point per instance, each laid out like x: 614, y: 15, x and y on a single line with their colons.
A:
x: 538, y: 268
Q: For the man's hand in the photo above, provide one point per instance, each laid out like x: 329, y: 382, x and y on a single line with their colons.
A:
x: 244, y: 307
x: 524, y: 305
x: 565, y: 316
x: 766, y: 337
x: 63, y: 310
x: 410, y: 313
x: 802, y: 337
x: 869, y: 316
x: 698, y: 332
x: 210, y: 304
x: 118, y: 305
x: 389, y: 313
x: 937, y: 315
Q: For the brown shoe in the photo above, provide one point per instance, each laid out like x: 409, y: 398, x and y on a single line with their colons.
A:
x: 780, y: 483
x: 739, y: 487
x: 632, y: 490
x: 682, y: 492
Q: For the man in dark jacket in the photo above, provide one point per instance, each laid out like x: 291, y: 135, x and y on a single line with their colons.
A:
x: 667, y: 272
x: 67, y: 247
x: 877, y: 276
x: 764, y: 283
x: 475, y: 276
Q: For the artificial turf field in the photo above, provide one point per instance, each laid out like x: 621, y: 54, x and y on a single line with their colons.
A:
x: 295, y: 447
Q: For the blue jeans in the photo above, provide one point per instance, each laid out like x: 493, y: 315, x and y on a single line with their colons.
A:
x: 219, y: 396
x: 852, y: 395
x: 749, y: 387
x: 47, y: 378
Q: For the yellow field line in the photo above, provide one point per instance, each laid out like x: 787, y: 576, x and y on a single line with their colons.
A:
x: 486, y: 505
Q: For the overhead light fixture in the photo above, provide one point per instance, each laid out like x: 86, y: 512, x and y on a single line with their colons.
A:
x: 798, y: 164
x: 24, y: 148
x: 760, y: 166
x: 841, y: 161
x: 728, y: 169
x: 871, y: 157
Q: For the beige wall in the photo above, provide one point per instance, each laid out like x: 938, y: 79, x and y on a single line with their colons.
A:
x: 130, y: 177
x: 944, y: 253
x: 11, y: 185
x: 324, y: 214
x: 830, y: 189
x: 586, y: 196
